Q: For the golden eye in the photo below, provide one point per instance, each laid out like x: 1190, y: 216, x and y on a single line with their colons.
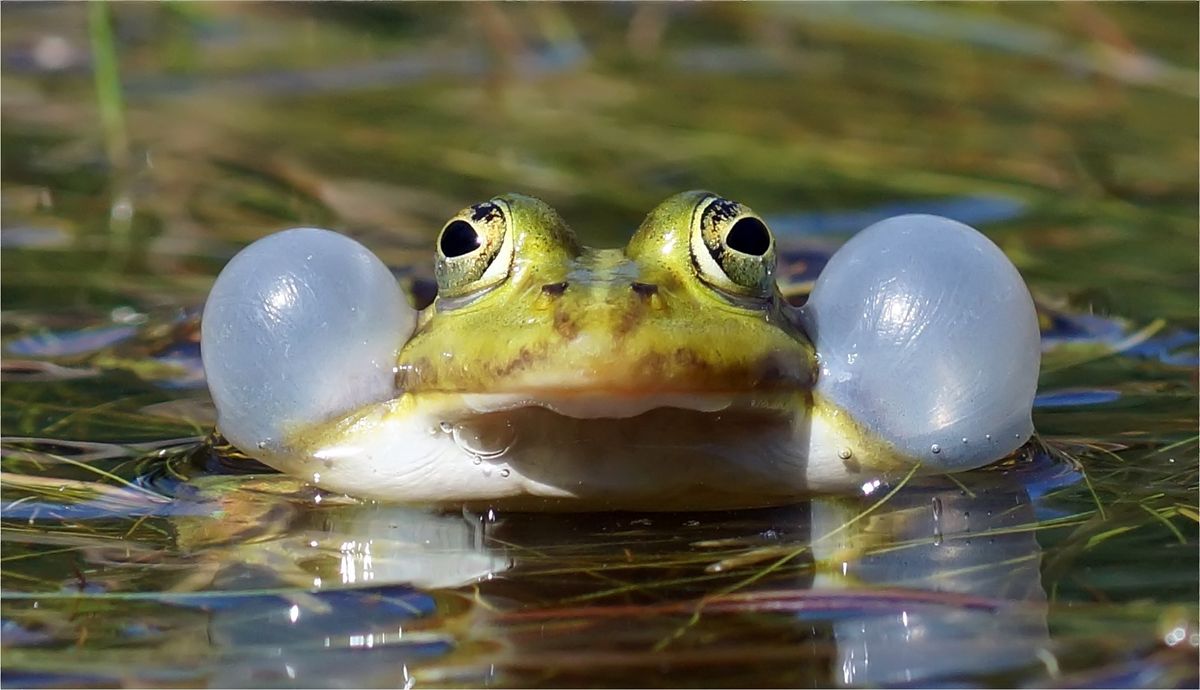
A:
x: 474, y: 249
x: 732, y: 248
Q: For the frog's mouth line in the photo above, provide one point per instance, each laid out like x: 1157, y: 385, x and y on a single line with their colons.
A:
x: 623, y: 404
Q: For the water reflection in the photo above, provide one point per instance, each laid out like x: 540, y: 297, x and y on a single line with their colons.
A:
x: 270, y: 583
x: 940, y: 582
x: 943, y: 540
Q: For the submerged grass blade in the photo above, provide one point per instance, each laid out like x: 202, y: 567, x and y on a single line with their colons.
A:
x: 1171, y: 446
x: 1188, y: 512
x: 1096, y: 539
x: 1167, y: 523
x: 1092, y: 490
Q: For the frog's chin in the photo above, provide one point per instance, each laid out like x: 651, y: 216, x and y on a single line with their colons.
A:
x: 523, y: 456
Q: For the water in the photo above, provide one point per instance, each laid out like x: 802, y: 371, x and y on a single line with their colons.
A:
x: 135, y: 553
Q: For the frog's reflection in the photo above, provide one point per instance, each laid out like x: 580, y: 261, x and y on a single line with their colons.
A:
x: 938, y: 582
x: 977, y: 544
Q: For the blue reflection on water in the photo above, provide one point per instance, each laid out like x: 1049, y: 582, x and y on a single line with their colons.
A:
x: 68, y: 343
x: 972, y: 210
x: 1071, y: 398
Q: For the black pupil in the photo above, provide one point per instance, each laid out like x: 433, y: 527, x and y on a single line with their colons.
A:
x: 749, y: 236
x: 458, y: 239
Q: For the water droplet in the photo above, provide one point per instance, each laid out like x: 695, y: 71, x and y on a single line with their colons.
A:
x: 446, y: 427
x: 487, y: 439
x: 477, y: 461
x: 935, y: 449
x: 869, y: 488
x: 505, y: 472
x: 845, y: 454
x: 262, y: 444
x: 965, y: 441
x: 987, y: 437
x: 316, y: 477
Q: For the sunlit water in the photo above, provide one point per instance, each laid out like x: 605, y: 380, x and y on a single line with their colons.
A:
x: 135, y: 553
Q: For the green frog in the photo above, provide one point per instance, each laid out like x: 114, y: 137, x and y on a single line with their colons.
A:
x: 670, y: 374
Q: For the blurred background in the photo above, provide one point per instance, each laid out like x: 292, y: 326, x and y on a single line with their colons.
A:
x: 152, y: 139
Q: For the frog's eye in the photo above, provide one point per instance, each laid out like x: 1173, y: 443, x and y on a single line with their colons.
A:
x: 732, y: 248
x: 475, y: 249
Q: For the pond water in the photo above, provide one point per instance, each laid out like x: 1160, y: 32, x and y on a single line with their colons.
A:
x: 137, y: 160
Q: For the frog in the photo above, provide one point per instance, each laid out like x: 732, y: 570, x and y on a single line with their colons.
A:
x: 668, y: 374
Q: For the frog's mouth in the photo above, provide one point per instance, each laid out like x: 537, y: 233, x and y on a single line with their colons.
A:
x: 606, y: 403
x: 600, y: 404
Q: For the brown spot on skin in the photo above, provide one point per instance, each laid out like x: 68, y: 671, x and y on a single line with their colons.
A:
x: 692, y: 362
x: 629, y: 321
x: 688, y: 358
x: 565, y: 325
x: 523, y: 359
x: 770, y: 371
x: 652, y: 366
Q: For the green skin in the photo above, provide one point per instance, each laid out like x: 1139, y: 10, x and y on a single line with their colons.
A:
x: 646, y: 320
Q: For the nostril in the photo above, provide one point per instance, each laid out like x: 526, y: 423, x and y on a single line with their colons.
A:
x: 644, y: 289
x: 555, y: 289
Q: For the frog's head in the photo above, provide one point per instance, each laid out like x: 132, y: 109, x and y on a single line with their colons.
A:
x: 686, y: 315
